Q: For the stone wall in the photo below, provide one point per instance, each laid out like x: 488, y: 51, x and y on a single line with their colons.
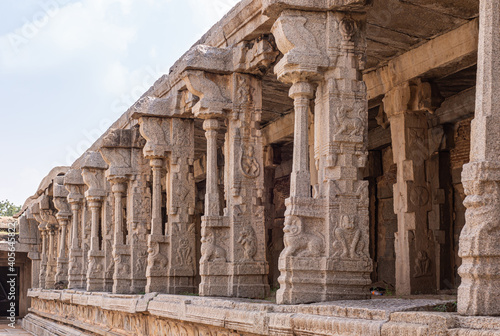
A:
x: 69, y: 312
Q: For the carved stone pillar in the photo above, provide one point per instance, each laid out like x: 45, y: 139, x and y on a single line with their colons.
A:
x: 116, y: 151
x: 479, y: 247
x: 244, y: 185
x: 139, y: 222
x: 180, y: 205
x: 156, y: 131
x: 213, y: 263
x: 52, y: 227
x: 63, y: 215
x: 326, y: 237
x: 415, y: 247
x: 35, y: 212
x: 170, y: 149
x: 93, y: 169
x: 73, y: 182
x: 35, y: 240
x: 233, y: 244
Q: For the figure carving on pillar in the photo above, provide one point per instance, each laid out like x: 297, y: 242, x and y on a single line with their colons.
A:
x: 249, y: 164
x: 422, y: 265
x: 210, y: 251
x: 347, y: 236
x: 156, y: 259
x: 299, y: 243
x: 248, y: 241
x: 350, y: 122
x: 184, y: 256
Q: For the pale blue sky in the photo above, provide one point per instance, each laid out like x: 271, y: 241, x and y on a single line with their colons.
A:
x: 69, y: 68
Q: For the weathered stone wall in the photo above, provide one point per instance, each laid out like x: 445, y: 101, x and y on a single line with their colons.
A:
x: 69, y: 312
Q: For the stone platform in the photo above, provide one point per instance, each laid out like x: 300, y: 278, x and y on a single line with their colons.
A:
x: 81, y: 313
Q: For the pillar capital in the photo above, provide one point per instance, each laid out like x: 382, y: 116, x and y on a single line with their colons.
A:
x: 211, y: 124
x: 73, y: 182
x: 93, y: 168
x: 411, y: 97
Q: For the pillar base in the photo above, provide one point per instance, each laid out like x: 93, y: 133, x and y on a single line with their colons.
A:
x: 158, y: 262
x: 62, y: 271
x: 307, y: 280
x: 122, y: 271
x: 76, y: 276
x: 480, y: 283
x: 95, y: 272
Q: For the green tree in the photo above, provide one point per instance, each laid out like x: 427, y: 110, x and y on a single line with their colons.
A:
x: 8, y: 209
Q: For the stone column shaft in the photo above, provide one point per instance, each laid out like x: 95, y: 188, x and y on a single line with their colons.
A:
x: 157, y: 218
x: 212, y: 206
x: 95, y: 271
x: 479, y: 245
x: 300, y: 180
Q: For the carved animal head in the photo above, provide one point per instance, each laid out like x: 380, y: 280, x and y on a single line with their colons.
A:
x: 348, y: 222
x: 293, y: 226
x: 246, y: 233
x: 208, y: 238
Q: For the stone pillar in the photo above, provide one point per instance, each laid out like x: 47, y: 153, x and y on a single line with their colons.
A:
x: 300, y: 180
x: 407, y: 112
x: 36, y: 243
x: 326, y: 237
x: 213, y: 262
x: 63, y: 215
x: 93, y: 168
x: 479, y: 247
x: 170, y: 149
x: 50, y: 279
x: 156, y: 131
x: 244, y: 191
x: 139, y: 221
x: 73, y: 182
x: 35, y: 212
x: 51, y: 227
x: 180, y: 205
x: 117, y: 149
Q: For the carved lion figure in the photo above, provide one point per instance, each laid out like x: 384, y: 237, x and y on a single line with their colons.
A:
x: 299, y: 243
x: 210, y: 251
x: 350, y: 125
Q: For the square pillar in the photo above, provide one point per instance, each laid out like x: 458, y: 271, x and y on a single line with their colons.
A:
x: 479, y: 245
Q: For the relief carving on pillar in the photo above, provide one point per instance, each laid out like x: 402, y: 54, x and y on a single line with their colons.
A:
x: 350, y: 122
x: 422, y: 265
x: 184, y: 253
x: 299, y: 243
x: 248, y: 241
x: 140, y: 264
x: 95, y: 267
x: 122, y: 265
x: 75, y: 267
x: 348, y: 28
x: 249, y: 164
x: 348, y: 243
x: 419, y: 196
x: 156, y: 259
x: 210, y: 251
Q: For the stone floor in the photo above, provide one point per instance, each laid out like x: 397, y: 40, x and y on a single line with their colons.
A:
x: 5, y: 330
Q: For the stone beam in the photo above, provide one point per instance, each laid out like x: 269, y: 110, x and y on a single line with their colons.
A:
x: 447, y: 53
